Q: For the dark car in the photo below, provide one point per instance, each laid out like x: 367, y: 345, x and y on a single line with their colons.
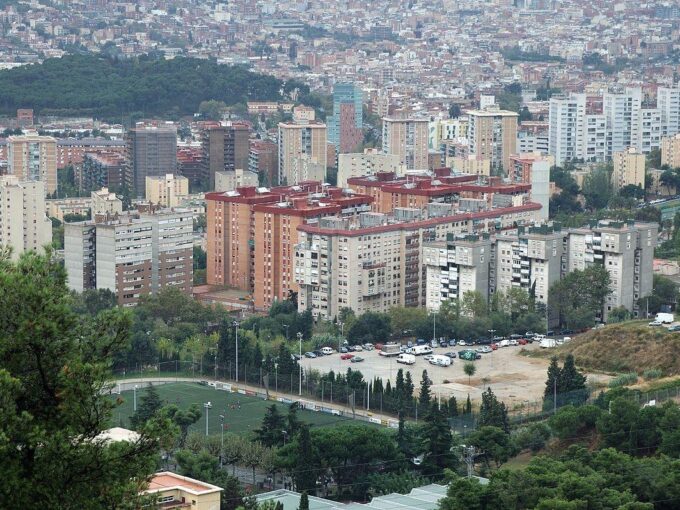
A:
x: 451, y: 354
x: 469, y: 342
x: 351, y: 348
x: 478, y: 355
x: 550, y: 332
x: 310, y: 355
x: 484, y: 341
x: 319, y: 353
x: 296, y: 357
x: 452, y: 342
x: 567, y: 331
x: 443, y: 343
x: 421, y: 341
x: 356, y: 359
x: 343, y: 349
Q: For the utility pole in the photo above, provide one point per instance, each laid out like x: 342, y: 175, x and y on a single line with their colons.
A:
x: 434, y: 326
x: 555, y: 396
x: 207, y: 407
x: 469, y: 457
x: 299, y: 335
x: 235, y: 324
x: 221, y: 438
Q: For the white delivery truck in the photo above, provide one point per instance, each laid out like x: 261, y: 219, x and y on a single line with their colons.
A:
x: 664, y: 318
x: 390, y: 350
x: 440, y: 360
x: 547, y: 343
x: 406, y: 359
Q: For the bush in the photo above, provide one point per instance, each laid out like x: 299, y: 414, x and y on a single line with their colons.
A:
x: 653, y: 373
x: 533, y: 437
x: 623, y: 380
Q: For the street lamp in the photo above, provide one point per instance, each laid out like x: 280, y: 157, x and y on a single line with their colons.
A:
x: 434, y: 326
x: 207, y: 406
x: 235, y: 324
x: 221, y: 438
x: 286, y: 326
x: 299, y: 335
x: 135, y: 399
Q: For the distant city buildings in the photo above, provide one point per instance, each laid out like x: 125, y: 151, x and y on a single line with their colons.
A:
x: 224, y: 148
x: 670, y: 151
x: 492, y: 135
x: 302, y: 149
x: 232, y: 179
x: 166, y: 190
x: 369, y: 162
x: 408, y: 139
x: 346, y: 123
x: 629, y: 169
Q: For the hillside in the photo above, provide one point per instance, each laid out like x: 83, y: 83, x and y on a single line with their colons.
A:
x: 101, y: 87
x: 627, y: 347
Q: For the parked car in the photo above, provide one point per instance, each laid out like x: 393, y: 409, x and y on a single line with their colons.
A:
x: 443, y: 343
x: 461, y: 343
x: 513, y: 342
x: 478, y: 356
x: 409, y: 344
x: 469, y: 342
x: 478, y: 349
x: 504, y: 343
x: 358, y: 348
x: 674, y: 328
x: 406, y: 359
x: 327, y: 351
x: 452, y: 342
x: 346, y: 356
x: 485, y: 349
x: 515, y: 337
x: 428, y: 357
x: 343, y: 349
x: 656, y: 323
x: 296, y: 357
x: 550, y: 332
x: 379, y: 346
x: 451, y: 354
x: 421, y: 341
x: 310, y: 354
x: 319, y: 353
x: 522, y: 341
x: 368, y: 347
x: 356, y: 359
x: 567, y: 332
x: 440, y: 361
x: 529, y: 334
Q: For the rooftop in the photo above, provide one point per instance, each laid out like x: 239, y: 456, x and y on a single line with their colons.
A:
x: 167, y: 480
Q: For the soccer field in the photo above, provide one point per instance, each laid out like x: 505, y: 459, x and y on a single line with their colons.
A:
x: 242, y: 413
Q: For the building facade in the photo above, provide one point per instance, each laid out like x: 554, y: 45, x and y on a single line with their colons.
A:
x: 346, y: 123
x: 492, y: 135
x: 150, y: 150
x: 629, y: 168
x: 167, y: 190
x: 408, y: 139
x: 300, y: 141
x: 367, y: 163
x: 33, y: 158
x: 670, y: 151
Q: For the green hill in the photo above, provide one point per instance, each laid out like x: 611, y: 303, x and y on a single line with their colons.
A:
x: 147, y: 86
x: 628, y: 347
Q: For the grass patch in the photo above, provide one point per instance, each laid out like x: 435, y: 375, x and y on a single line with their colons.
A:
x: 239, y: 420
x: 653, y: 373
x: 623, y: 380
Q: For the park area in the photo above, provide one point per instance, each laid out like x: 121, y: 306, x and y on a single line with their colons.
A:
x: 242, y: 413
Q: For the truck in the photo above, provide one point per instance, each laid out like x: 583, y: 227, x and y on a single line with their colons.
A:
x: 548, y: 343
x: 390, y: 350
x: 440, y: 360
x: 419, y: 350
x: 664, y: 318
x: 406, y: 359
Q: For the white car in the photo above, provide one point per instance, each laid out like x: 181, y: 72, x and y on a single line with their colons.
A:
x: 428, y: 357
x: 655, y: 323
x: 514, y: 342
x: 358, y: 348
x: 461, y: 343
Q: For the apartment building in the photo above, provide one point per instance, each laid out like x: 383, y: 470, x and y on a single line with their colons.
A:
x: 190, y: 165
x: 104, y: 170
x: 132, y: 255
x: 103, y: 202
x: 172, y: 491
x: 440, y: 130
x: 629, y: 168
x: 24, y: 226
x: 251, y: 231
x: 33, y: 158
x: 167, y: 190
x: 263, y: 161
x: 670, y: 151
x: 72, y: 151
x: 668, y: 103
x: 60, y: 207
x: 536, y: 257
x: 622, y: 113
x: 565, y: 134
x: 470, y: 165
x: 345, y: 125
x: 367, y: 163
x: 492, y: 134
x: 408, y: 139
x: 375, y: 261
x: 533, y: 136
x: 229, y: 180
x: 452, y: 269
x: 533, y: 169
x: 300, y: 142
x: 150, y: 150
x: 445, y: 186
x: 224, y: 148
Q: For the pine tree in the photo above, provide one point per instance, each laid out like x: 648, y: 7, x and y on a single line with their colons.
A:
x: 304, y: 473
x: 551, y: 385
x: 468, y: 405
x: 425, y: 395
x: 293, y: 420
x: 270, y: 432
x: 408, y: 390
x: 149, y: 404
x: 453, y: 407
x: 572, y: 384
x: 493, y: 413
x: 437, y: 443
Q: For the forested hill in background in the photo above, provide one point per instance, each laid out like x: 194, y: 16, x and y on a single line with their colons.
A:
x: 146, y: 86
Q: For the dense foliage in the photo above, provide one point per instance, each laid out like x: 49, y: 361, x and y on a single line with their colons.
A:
x: 93, y: 85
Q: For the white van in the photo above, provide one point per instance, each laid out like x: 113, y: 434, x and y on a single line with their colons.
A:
x: 440, y: 360
x: 406, y: 359
x: 504, y: 343
x: 327, y: 350
x: 548, y: 343
x: 419, y: 350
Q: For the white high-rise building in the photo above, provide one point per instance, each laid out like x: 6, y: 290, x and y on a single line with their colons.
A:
x: 565, y: 134
x: 668, y: 104
x: 24, y: 225
x: 622, y: 113
x: 648, y: 132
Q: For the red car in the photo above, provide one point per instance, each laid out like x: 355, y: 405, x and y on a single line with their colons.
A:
x: 347, y: 356
x: 523, y: 341
x: 378, y: 347
x: 494, y: 347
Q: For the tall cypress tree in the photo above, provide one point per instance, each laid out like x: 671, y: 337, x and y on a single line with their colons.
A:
x: 425, y: 395
x: 437, y: 441
x: 304, y: 473
x: 453, y: 407
x: 493, y: 413
x: 572, y: 384
x: 304, y: 501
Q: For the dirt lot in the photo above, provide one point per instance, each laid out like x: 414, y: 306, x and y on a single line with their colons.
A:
x: 514, y: 378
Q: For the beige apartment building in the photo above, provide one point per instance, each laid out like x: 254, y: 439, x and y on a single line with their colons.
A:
x: 60, y: 207
x: 33, y: 158
x: 24, y: 226
x: 492, y: 135
x: 629, y: 168
x: 105, y: 202
x: 470, y: 165
x: 304, y: 140
x: 670, y: 151
x: 229, y: 180
x: 408, y: 138
x: 172, y: 491
x: 370, y: 162
x: 167, y: 190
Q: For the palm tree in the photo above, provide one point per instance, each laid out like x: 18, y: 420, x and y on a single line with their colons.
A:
x: 166, y: 347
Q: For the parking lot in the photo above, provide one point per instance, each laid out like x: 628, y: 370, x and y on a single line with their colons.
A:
x: 514, y: 378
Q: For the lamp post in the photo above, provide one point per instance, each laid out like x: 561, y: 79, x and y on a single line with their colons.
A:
x: 286, y: 326
x: 342, y: 333
x: 221, y: 438
x: 207, y: 406
x: 235, y: 324
x: 299, y: 335
x: 434, y: 326
x: 135, y: 398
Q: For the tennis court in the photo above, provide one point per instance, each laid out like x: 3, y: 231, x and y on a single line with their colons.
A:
x: 242, y: 413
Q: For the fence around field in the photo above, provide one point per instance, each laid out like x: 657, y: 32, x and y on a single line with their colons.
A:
x: 354, y: 402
